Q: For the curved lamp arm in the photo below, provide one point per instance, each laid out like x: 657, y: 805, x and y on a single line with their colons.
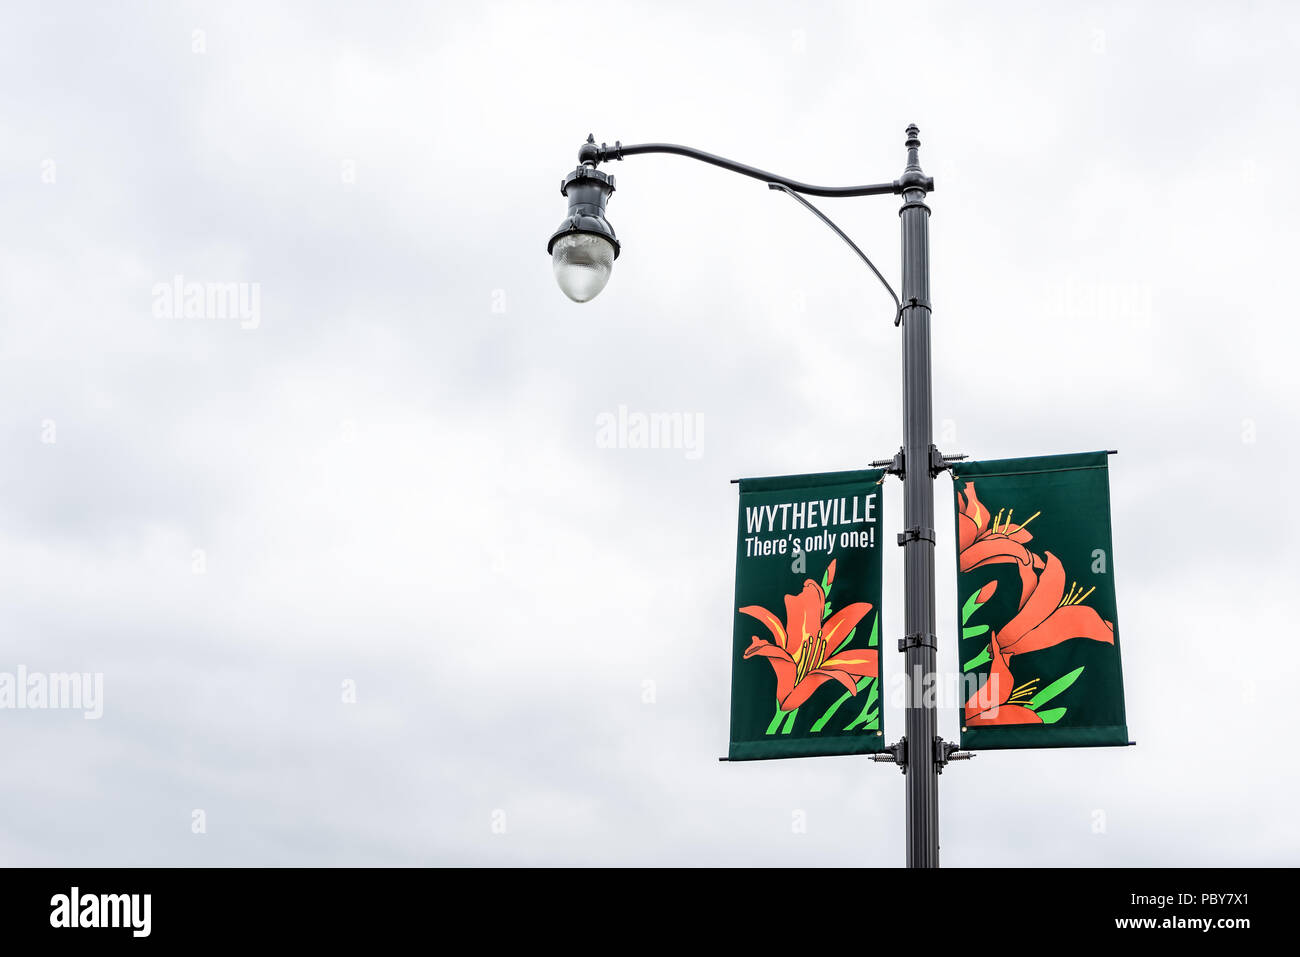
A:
x: 593, y: 154
x: 898, y: 306
x: 588, y: 188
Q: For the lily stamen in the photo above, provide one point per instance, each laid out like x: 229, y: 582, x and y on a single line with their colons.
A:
x: 799, y: 651
x: 1028, y: 520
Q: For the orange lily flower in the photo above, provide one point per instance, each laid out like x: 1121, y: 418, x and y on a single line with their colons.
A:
x: 984, y: 539
x: 1050, y: 616
x: 998, y: 701
x: 801, y: 650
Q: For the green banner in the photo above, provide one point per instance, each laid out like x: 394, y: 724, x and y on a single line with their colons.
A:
x: 805, y: 660
x: 1039, y: 645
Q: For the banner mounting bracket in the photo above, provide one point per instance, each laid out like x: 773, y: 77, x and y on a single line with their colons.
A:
x: 892, y: 466
x: 918, y: 640
x: 940, y: 462
x: 945, y: 751
x: 895, y: 753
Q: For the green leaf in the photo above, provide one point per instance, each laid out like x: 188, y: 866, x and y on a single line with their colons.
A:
x: 875, y: 693
x: 1052, y: 716
x: 978, y: 660
x: 826, y: 611
x: 776, y: 720
x: 972, y: 604
x: 866, y: 714
x: 789, y: 724
x: 821, y: 722
x: 974, y: 630
x: 826, y: 585
x: 875, y: 633
x: 862, y: 719
x: 1055, y: 688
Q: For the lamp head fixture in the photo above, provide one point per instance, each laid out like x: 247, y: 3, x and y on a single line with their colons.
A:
x: 583, y: 248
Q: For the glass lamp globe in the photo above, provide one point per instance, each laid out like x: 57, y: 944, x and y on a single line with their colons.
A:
x: 582, y: 263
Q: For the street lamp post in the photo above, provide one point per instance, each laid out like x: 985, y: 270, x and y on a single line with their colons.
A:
x: 919, y: 465
x: 583, y: 251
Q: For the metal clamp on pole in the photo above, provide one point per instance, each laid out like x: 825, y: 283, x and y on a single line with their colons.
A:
x: 895, y: 753
x: 940, y: 462
x: 937, y: 463
x: 917, y: 641
x: 892, y: 466
x: 917, y: 533
x: 945, y: 751
x: 913, y: 302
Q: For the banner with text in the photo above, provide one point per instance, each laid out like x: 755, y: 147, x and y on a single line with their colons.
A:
x: 1039, y: 645
x: 805, y: 672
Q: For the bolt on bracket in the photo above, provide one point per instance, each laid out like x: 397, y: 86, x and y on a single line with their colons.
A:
x: 945, y: 751
x: 892, y: 466
x: 895, y: 753
x: 940, y: 462
x: 917, y: 640
x: 916, y: 532
x: 912, y: 303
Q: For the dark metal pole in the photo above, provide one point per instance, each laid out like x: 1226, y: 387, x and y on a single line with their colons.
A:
x: 919, y: 455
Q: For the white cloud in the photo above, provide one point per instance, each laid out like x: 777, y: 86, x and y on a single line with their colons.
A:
x: 394, y: 484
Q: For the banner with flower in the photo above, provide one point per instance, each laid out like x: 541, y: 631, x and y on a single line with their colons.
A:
x: 806, y: 642
x: 1038, y: 631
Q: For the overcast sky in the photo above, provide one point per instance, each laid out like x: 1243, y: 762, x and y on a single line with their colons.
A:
x: 391, y: 481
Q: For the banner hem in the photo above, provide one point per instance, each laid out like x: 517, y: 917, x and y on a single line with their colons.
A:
x: 770, y: 750
x: 1007, y: 738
